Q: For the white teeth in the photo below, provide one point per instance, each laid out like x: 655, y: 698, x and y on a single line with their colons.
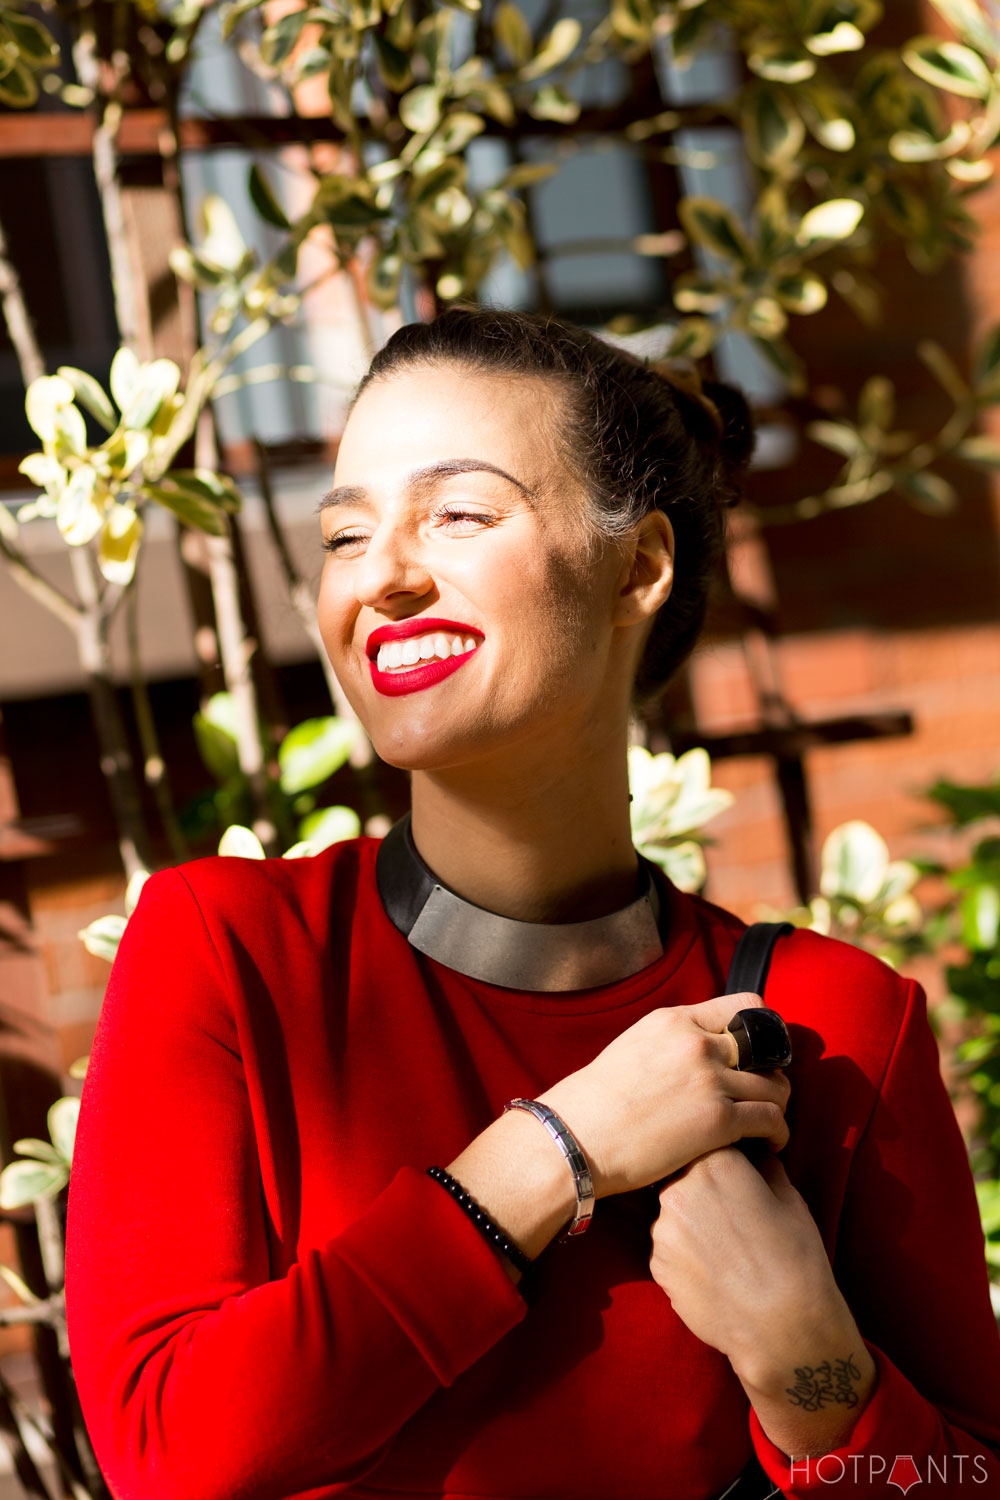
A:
x: 393, y: 655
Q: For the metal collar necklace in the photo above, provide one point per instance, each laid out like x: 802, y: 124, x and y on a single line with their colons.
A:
x: 502, y: 951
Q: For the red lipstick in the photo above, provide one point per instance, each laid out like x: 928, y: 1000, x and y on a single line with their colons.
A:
x: 414, y: 679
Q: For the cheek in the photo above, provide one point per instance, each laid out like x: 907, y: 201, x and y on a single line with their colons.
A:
x: 330, y: 606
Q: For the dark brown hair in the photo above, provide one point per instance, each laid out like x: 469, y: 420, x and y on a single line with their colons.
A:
x: 639, y: 436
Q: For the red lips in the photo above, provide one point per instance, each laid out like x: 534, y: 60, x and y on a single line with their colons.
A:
x: 415, y: 678
x: 415, y: 625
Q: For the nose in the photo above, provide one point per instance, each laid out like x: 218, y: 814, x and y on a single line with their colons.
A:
x: 392, y: 564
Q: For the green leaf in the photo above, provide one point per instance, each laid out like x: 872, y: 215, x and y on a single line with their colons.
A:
x: 456, y: 131
x: 781, y: 60
x: 967, y: 804
x: 854, y: 862
x: 62, y: 1121
x: 393, y: 62
x: 420, y: 109
x: 90, y: 396
x: 189, y: 267
x: 330, y: 825
x: 693, y: 338
x: 843, y: 37
x: 264, y: 201
x: 683, y: 864
x: 280, y: 40
x: 312, y: 751
x: 632, y: 19
x: 836, y: 219
x: 353, y: 211
x: 24, y: 1182
x: 513, y: 33
x: 382, y: 280
x: 983, y: 451
x: 34, y: 42
x: 774, y: 129
x: 241, y: 843
x: 233, y: 12
x: 697, y: 293
x: 102, y: 937
x: 40, y: 1150
x: 802, y: 293
x: 45, y: 399
x: 943, y: 368
x: 118, y: 547
x: 216, y: 489
x: 715, y: 226
x: 552, y: 103
x: 124, y: 377
x: 133, y: 890
x: 825, y: 113
x: 156, y: 383
x: 189, y: 505
x: 949, y: 65
x: 527, y: 173
x: 980, y: 911
x: 877, y: 403
x: 80, y: 512
x: 927, y: 492
x: 19, y: 89
x: 217, y: 747
x: 764, y: 318
x: 838, y: 437
x: 223, y: 244
x: 557, y: 47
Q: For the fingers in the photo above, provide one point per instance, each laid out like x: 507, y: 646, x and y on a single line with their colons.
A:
x: 715, y: 1015
x: 762, y: 1120
x: 765, y: 1088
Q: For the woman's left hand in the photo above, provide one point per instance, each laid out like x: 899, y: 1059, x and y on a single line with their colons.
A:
x: 741, y: 1259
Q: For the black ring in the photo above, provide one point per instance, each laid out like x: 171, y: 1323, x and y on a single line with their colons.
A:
x: 762, y: 1038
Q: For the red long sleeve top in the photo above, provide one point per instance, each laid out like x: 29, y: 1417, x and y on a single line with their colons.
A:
x: 268, y: 1298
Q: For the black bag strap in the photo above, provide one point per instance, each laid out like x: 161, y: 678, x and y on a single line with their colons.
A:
x: 752, y: 958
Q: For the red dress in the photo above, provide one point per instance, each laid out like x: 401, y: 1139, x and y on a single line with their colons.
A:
x: 267, y: 1298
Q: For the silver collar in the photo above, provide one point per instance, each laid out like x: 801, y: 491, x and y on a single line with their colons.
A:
x: 502, y: 951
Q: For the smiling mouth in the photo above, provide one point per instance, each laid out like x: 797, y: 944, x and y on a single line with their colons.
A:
x: 417, y: 650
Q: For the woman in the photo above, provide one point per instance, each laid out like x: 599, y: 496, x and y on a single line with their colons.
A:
x: 268, y: 1293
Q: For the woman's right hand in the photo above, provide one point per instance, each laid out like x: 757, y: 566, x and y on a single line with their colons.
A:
x: 665, y: 1092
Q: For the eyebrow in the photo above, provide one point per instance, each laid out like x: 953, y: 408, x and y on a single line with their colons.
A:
x: 353, y: 494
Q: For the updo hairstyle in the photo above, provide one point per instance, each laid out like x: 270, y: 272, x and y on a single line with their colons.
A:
x: 638, y: 436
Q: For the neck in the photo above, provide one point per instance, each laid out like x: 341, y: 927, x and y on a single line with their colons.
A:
x: 535, y: 837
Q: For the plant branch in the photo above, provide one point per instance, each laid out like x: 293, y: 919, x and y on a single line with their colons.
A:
x: 20, y: 328
x: 53, y: 599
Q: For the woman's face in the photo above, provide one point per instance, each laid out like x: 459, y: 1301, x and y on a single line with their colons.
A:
x: 455, y: 528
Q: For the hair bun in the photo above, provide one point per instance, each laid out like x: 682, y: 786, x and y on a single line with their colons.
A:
x: 736, y: 435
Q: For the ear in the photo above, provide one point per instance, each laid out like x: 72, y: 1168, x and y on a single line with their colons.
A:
x: 647, y: 571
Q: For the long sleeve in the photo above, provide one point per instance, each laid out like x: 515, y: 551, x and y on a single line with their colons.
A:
x: 201, y: 1376
x: 910, y: 1262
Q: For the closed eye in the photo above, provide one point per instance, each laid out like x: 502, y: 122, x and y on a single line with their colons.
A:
x: 445, y: 513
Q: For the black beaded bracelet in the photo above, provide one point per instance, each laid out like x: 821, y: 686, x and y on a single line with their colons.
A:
x: 482, y: 1220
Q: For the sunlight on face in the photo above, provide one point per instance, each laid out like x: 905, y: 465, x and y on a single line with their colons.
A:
x: 452, y: 505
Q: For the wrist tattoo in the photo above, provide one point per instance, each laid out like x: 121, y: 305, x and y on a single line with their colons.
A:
x: 830, y: 1384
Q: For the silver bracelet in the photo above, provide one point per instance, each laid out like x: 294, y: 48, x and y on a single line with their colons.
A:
x: 578, y: 1164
